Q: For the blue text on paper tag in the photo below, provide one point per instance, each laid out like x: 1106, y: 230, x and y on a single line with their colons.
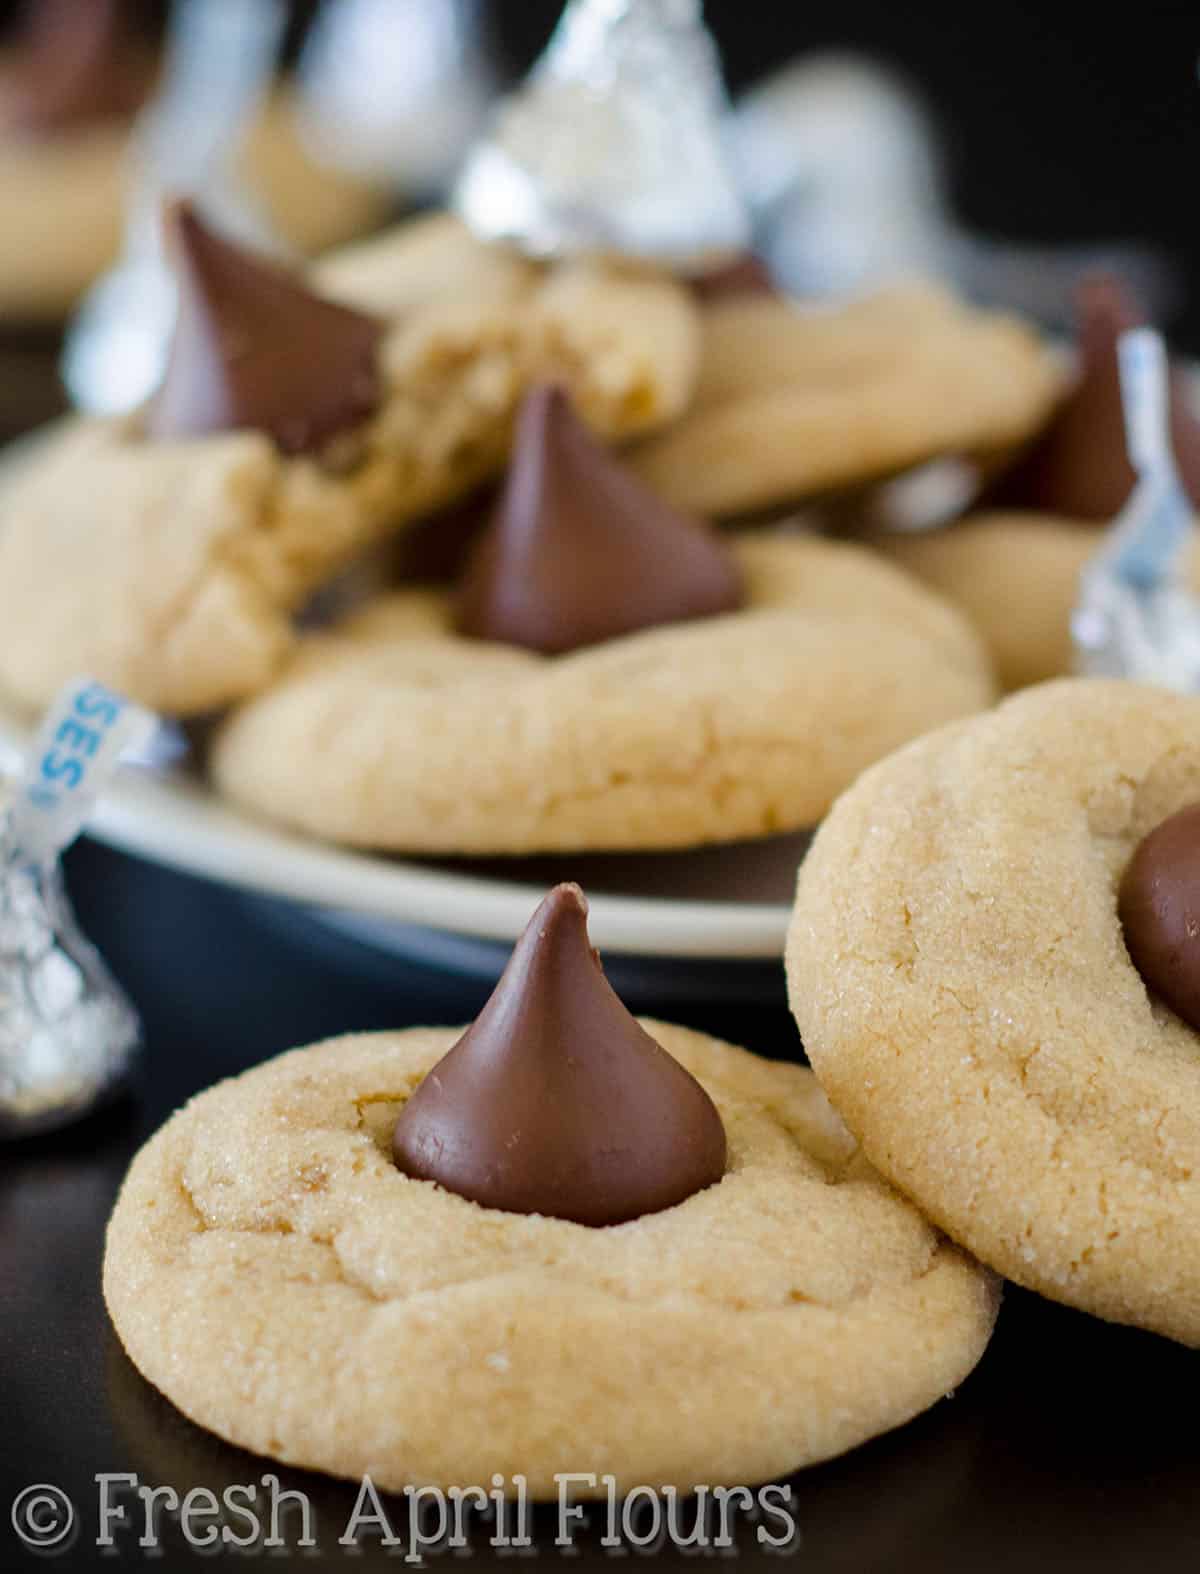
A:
x: 75, y: 753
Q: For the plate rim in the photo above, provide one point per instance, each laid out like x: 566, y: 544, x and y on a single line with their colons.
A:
x: 179, y: 820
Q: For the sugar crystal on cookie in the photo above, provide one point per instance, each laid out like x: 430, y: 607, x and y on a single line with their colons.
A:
x: 580, y: 551
x: 555, y: 1101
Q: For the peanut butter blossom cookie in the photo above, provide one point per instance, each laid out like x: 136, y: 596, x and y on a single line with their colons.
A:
x: 608, y: 674
x: 994, y: 962
x: 534, y: 1248
x: 168, y: 553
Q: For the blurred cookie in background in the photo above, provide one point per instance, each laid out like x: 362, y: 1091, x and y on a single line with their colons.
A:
x: 74, y: 76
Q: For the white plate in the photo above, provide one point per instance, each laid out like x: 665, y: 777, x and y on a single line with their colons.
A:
x: 669, y: 905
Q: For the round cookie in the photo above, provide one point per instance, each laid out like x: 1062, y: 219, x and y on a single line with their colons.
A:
x: 796, y: 401
x: 273, y: 1273
x: 960, y: 977
x: 1016, y: 576
x: 392, y: 731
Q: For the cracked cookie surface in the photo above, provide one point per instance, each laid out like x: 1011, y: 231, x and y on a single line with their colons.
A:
x: 960, y: 978
x: 273, y: 1273
x: 410, y: 737
x: 172, y: 570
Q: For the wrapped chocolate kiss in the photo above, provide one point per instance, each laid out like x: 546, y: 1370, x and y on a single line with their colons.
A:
x: 398, y: 89
x: 220, y: 59
x: 1136, y: 617
x: 67, y: 1032
x: 615, y: 143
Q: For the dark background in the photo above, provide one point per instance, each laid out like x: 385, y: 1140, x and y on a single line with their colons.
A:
x: 1060, y: 123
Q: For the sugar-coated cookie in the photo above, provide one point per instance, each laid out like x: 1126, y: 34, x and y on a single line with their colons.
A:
x: 394, y: 731
x: 795, y: 401
x: 278, y: 1278
x: 960, y: 973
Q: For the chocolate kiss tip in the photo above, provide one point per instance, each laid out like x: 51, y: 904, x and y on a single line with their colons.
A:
x: 1079, y: 468
x: 255, y: 349
x: 579, y: 551
x: 555, y: 1101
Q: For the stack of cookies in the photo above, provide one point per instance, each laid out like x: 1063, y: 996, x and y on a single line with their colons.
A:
x: 605, y: 669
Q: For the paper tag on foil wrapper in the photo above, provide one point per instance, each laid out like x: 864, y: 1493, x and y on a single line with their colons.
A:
x: 67, y: 1032
x: 1136, y: 617
x: 615, y: 144
x: 77, y: 749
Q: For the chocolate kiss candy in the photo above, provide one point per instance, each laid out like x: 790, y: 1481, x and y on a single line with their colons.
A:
x: 1160, y: 910
x: 73, y: 62
x: 555, y: 1101
x: 744, y: 275
x: 1080, y: 467
x: 579, y: 551
x: 253, y: 348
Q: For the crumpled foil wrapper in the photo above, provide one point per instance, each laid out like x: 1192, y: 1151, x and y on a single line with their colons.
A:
x: 615, y: 144
x: 68, y: 1035
x: 1136, y: 617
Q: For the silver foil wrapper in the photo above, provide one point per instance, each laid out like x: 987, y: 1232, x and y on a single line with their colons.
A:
x: 1136, y: 617
x: 615, y: 144
x: 68, y: 1034
x: 397, y: 89
x: 220, y: 59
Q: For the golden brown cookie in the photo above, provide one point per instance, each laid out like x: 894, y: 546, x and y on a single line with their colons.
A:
x: 960, y: 976
x: 797, y: 401
x: 1016, y: 576
x: 278, y: 1278
x: 393, y: 731
x: 171, y: 569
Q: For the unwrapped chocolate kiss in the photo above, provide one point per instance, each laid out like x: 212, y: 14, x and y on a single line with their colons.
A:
x: 555, y: 1101
x: 580, y: 551
x: 255, y: 349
